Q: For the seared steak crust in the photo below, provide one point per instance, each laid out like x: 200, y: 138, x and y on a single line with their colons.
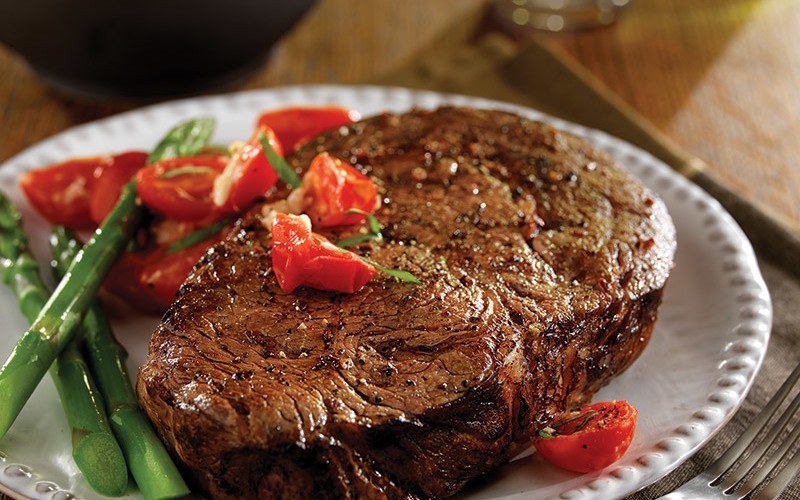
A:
x: 542, y: 264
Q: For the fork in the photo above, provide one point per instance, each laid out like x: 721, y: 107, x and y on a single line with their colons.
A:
x: 721, y: 480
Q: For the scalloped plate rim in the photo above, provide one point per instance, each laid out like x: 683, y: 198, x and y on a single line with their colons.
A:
x: 597, y: 485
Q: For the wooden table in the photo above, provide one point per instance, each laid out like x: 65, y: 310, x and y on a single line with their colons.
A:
x: 720, y: 77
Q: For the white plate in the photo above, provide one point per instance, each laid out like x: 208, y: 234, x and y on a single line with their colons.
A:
x: 708, y: 343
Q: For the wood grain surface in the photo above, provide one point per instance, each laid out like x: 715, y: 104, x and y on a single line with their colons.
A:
x: 720, y: 77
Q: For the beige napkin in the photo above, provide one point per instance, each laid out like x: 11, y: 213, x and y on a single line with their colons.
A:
x: 470, y: 59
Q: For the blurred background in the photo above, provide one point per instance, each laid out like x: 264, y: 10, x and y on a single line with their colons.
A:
x: 719, y: 77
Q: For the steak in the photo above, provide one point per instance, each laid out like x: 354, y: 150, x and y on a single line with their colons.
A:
x: 542, y: 265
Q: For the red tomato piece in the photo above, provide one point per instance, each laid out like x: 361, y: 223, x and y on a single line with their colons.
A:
x: 296, y: 125
x: 181, y: 188
x: 331, y: 187
x: 109, y: 180
x: 61, y: 192
x: 589, y: 439
x: 247, y: 175
x: 163, y: 276
x: 123, y: 282
x: 149, y: 280
x: 300, y: 257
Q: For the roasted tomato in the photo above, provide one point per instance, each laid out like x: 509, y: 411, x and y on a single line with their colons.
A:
x: 293, y: 126
x: 589, y: 439
x: 149, y: 280
x: 109, y: 179
x: 180, y: 188
x: 62, y: 192
x: 166, y: 272
x: 300, y: 257
x: 247, y: 175
x: 123, y: 282
x: 331, y: 188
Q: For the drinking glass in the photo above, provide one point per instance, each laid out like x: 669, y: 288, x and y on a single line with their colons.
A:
x: 558, y: 15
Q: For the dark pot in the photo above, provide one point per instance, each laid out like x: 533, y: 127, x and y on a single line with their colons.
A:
x: 145, y: 48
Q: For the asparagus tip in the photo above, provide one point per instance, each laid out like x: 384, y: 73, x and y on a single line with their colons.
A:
x: 100, y: 452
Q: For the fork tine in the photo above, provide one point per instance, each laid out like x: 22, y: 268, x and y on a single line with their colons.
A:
x: 740, y: 471
x: 705, y: 485
x: 782, y: 480
x: 723, y: 463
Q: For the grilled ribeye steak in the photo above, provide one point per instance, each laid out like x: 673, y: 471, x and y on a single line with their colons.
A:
x: 542, y: 265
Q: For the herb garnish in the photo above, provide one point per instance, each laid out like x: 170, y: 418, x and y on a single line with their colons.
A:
x: 216, y: 148
x: 196, y: 237
x: 401, y: 275
x: 591, y: 414
x: 588, y: 418
x: 375, y: 233
x: 189, y: 169
x: 374, y: 230
x: 284, y: 171
x: 185, y: 139
x: 550, y: 430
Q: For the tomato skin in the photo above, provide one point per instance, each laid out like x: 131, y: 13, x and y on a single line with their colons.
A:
x: 61, y: 192
x: 331, y: 187
x: 164, y: 276
x: 186, y: 196
x: 123, y: 282
x: 300, y: 257
x: 247, y: 175
x: 295, y: 125
x: 585, y: 447
x: 109, y: 180
x: 149, y: 280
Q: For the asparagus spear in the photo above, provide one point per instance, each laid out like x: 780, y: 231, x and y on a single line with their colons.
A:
x: 55, y: 326
x: 94, y: 448
x: 150, y: 464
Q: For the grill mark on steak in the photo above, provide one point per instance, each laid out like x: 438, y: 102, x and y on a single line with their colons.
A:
x: 536, y: 291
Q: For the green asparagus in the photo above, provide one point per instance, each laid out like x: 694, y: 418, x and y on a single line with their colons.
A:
x: 55, y: 326
x: 55, y: 320
x: 94, y: 449
x: 150, y: 464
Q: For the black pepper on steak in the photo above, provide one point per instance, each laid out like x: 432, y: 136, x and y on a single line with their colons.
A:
x: 543, y: 265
